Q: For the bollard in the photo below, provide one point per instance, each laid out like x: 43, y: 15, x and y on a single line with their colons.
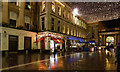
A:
x: 118, y: 56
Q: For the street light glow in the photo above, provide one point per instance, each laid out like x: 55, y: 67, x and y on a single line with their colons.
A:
x: 75, y: 11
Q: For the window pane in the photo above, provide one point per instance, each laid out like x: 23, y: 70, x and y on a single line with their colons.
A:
x: 52, y: 26
x: 12, y: 23
x: 43, y: 22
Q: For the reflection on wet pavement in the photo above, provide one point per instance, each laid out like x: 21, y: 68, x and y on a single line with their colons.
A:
x: 62, y: 61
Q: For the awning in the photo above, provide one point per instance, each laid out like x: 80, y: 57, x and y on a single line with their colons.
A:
x: 55, y: 40
x: 39, y: 40
x: 61, y: 40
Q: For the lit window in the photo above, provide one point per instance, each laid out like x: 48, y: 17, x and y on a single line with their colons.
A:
x: 59, y: 10
x: 43, y: 6
x: 27, y: 5
x: 53, y: 6
x: 68, y: 30
x: 63, y: 28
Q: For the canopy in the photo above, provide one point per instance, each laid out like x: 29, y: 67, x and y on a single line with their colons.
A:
x: 39, y: 40
x: 61, y: 40
x: 55, y: 40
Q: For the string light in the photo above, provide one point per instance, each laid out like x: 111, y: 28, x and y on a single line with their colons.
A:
x: 103, y: 10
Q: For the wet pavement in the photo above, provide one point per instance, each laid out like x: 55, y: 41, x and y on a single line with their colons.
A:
x: 99, y: 60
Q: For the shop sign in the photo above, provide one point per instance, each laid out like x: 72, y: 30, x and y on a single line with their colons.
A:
x: 55, y: 35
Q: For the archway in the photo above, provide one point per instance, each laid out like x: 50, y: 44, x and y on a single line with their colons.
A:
x: 109, y: 40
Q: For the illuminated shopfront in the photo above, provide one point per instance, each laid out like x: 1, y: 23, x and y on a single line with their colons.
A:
x: 50, y: 41
x: 109, y: 40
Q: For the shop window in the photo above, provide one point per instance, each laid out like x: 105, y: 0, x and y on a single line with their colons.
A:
x: 12, y: 23
x: 27, y: 6
x: 58, y: 26
x: 43, y: 23
x: 52, y: 26
x: 43, y: 6
x: 59, y: 10
x: 53, y: 6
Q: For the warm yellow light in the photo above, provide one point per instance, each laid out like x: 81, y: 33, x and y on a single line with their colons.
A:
x: 60, y: 3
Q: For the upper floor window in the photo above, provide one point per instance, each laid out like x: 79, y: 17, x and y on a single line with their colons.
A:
x: 52, y: 26
x: 63, y: 28
x: 43, y: 23
x: 27, y: 22
x: 15, y: 2
x: 58, y: 26
x: 68, y: 16
x: 13, y: 19
x: 27, y: 5
x: 53, y: 6
x: 64, y: 14
x: 67, y: 29
x: 59, y: 10
x: 43, y: 6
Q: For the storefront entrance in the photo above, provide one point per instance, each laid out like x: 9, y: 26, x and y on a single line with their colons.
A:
x: 110, y: 40
x: 27, y: 43
x: 13, y: 43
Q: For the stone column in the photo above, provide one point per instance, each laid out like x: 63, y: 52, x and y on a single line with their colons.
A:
x: 47, y: 43
x: 48, y: 18
x: 5, y: 14
x: 21, y: 18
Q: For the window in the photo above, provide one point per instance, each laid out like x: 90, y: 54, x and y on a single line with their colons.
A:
x: 68, y: 15
x: 27, y: 22
x: 59, y: 10
x: 58, y: 26
x: 13, y: 18
x: 63, y: 28
x: 43, y: 22
x: 27, y: 6
x: 53, y: 6
x: 27, y: 25
x: 64, y: 14
x: 12, y: 23
x: 43, y: 6
x: 67, y: 29
x: 52, y: 26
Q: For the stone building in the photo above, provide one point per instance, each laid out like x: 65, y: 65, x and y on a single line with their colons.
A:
x: 41, y: 26
x: 105, y: 33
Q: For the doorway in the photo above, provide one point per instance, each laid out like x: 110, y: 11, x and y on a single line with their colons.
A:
x: 27, y: 43
x: 109, y: 40
x: 13, y: 43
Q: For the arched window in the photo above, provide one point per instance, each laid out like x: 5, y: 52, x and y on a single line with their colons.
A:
x: 110, y: 39
x: 53, y: 6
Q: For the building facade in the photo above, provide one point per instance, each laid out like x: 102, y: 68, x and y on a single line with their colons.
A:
x: 105, y: 33
x: 44, y: 26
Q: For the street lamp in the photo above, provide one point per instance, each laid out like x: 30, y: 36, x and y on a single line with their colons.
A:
x: 75, y: 11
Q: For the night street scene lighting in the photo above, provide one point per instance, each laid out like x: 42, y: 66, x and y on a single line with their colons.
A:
x: 59, y: 35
